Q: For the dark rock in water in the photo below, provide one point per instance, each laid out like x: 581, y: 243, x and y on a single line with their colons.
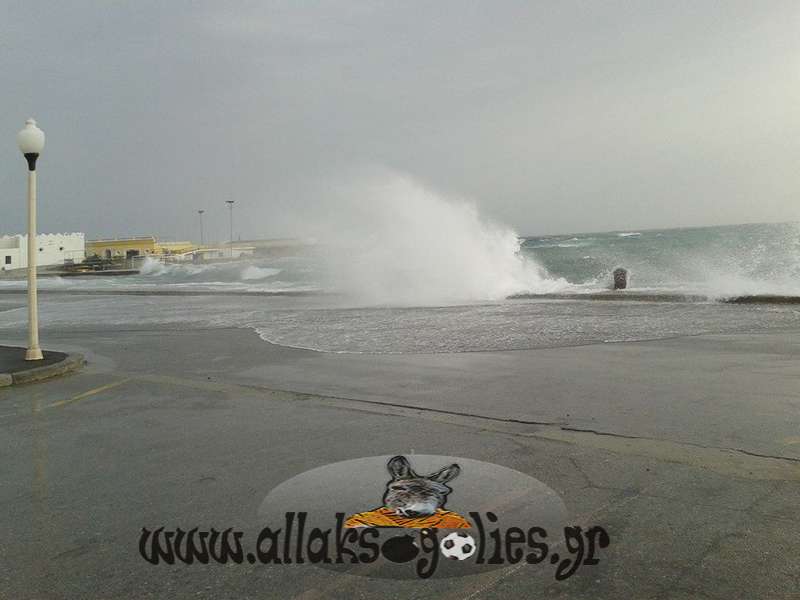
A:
x: 620, y: 279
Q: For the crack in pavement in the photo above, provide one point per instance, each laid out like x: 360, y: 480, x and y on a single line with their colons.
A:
x: 639, y: 437
x: 529, y: 422
x: 729, y: 461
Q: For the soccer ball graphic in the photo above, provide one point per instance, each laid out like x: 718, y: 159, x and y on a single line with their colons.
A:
x: 458, y: 546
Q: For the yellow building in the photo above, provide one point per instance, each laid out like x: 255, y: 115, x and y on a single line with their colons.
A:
x: 122, y: 247
x: 135, y: 246
x: 175, y: 247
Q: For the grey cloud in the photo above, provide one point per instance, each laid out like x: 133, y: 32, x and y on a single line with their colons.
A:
x: 552, y: 116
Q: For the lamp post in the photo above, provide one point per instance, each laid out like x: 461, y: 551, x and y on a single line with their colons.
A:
x: 230, y: 210
x: 31, y: 143
x: 200, y: 212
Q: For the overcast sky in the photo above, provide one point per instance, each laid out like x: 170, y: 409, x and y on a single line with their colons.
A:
x: 555, y: 116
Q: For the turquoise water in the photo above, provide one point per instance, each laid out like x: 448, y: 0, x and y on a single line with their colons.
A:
x: 341, y: 315
x: 718, y: 261
x: 409, y: 268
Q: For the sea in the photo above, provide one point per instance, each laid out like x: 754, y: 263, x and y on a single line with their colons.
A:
x: 477, y: 287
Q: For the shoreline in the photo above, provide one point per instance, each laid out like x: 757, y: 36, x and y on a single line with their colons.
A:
x: 608, y: 296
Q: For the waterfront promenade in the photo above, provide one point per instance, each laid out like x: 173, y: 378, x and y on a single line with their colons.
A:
x: 685, y: 450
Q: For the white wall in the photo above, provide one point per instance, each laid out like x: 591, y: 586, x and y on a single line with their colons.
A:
x: 9, y: 252
x: 53, y: 249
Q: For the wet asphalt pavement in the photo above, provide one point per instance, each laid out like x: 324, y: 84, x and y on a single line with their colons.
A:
x: 687, y: 451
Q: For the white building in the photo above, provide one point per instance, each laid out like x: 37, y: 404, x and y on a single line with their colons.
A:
x: 215, y: 254
x: 53, y: 248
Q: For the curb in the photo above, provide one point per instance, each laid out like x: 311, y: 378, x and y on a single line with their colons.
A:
x: 72, y: 362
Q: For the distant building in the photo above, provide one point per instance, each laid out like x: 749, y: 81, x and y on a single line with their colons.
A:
x: 214, y: 254
x: 122, y: 247
x: 132, y: 247
x: 175, y: 247
x: 279, y: 247
x: 53, y: 249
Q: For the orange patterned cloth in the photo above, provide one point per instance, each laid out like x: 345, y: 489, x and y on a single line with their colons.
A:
x: 386, y: 517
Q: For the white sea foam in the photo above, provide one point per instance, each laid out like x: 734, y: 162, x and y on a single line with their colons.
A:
x: 253, y: 272
x: 151, y: 266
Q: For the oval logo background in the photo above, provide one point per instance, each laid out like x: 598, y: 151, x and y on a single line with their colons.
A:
x: 395, y: 497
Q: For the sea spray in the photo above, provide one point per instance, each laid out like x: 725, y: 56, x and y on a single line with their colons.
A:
x: 395, y: 241
x: 152, y: 266
x: 252, y: 272
x: 200, y: 274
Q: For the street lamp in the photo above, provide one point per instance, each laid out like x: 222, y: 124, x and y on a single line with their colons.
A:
x: 31, y: 143
x: 200, y: 212
x: 230, y: 208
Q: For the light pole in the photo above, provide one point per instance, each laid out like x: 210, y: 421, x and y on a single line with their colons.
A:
x: 31, y: 143
x: 200, y: 212
x: 230, y: 209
